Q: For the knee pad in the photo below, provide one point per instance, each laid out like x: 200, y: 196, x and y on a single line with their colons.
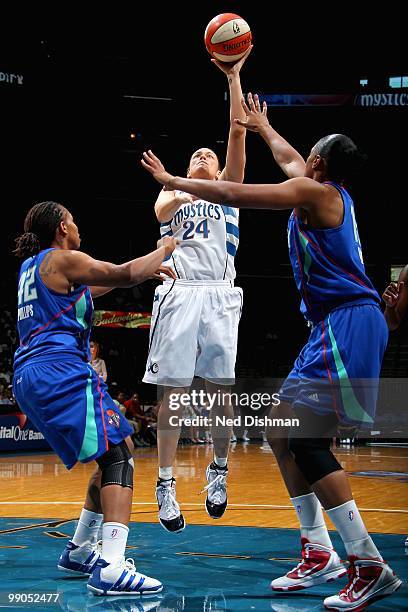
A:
x: 117, y: 466
x: 314, y: 457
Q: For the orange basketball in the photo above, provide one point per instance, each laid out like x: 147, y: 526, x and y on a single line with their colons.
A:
x: 227, y: 37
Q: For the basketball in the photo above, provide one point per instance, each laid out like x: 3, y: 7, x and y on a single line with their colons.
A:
x: 227, y: 37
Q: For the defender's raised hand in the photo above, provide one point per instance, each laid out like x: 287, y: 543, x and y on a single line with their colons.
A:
x: 392, y: 294
x: 152, y: 164
x: 256, y: 117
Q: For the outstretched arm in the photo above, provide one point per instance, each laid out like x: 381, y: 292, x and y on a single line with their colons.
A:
x: 297, y: 192
x: 256, y: 120
x: 62, y: 268
x: 82, y: 269
x: 396, y: 299
x: 235, y: 161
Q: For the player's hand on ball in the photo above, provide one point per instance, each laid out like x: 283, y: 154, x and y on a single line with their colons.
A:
x: 232, y: 69
x: 392, y: 294
x: 153, y: 164
x: 169, y: 243
x: 256, y: 117
x: 164, y: 271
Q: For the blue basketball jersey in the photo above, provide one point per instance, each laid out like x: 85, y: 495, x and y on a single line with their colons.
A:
x: 50, y: 323
x: 328, y: 264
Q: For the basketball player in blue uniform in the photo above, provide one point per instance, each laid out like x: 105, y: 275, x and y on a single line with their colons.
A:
x: 328, y: 383
x: 396, y: 306
x: 63, y: 396
x: 396, y: 301
x: 195, y: 318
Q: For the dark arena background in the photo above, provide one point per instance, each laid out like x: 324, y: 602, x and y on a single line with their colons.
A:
x: 78, y: 109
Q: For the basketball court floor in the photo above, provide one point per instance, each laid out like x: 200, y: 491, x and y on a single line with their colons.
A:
x: 210, y: 566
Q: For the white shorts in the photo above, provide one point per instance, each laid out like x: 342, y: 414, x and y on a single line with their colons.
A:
x: 194, y: 332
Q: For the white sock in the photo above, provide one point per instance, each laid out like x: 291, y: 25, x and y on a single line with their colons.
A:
x: 310, y: 515
x: 220, y: 461
x: 87, y: 528
x: 353, y: 532
x: 166, y: 473
x: 114, y: 538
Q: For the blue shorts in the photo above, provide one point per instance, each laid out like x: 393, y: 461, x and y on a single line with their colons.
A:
x: 338, y: 370
x: 69, y: 404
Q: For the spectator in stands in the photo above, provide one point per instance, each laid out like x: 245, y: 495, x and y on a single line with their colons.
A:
x: 6, y: 396
x: 97, y: 362
x: 134, y: 412
x: 120, y: 402
x: 152, y: 413
x: 134, y: 407
x: 396, y: 299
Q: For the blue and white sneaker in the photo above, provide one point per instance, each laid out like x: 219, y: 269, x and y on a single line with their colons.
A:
x: 79, y: 560
x: 121, y: 578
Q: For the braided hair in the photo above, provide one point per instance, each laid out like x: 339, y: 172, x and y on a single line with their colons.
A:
x: 39, y: 228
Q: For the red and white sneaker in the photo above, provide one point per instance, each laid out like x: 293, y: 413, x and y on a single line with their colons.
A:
x: 319, y: 564
x: 369, y: 580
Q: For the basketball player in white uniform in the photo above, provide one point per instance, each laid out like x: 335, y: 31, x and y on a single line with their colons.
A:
x: 194, y: 327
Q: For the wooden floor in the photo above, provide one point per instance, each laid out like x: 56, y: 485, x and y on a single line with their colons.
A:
x: 39, y: 486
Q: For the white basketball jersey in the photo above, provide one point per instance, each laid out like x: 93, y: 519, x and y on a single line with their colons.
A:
x: 209, y: 238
